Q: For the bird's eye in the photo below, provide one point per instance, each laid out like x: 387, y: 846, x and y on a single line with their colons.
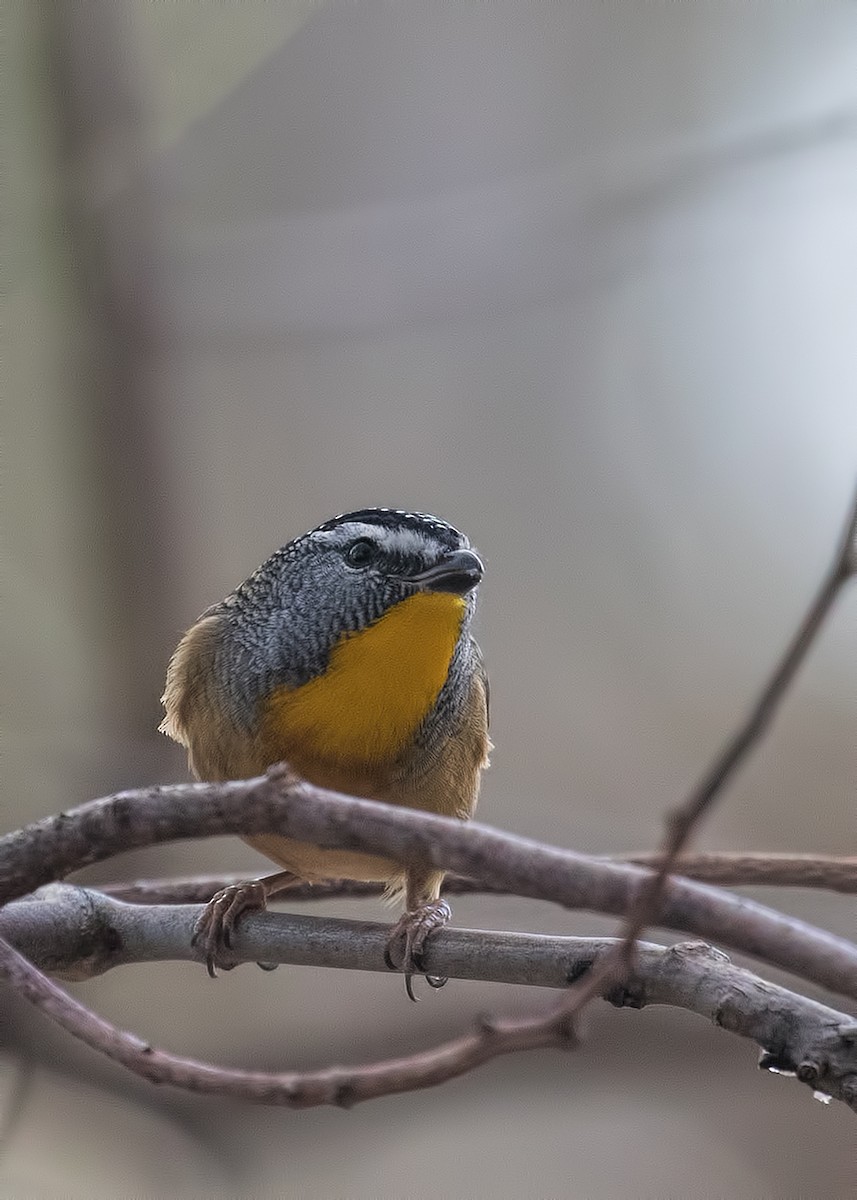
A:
x: 361, y: 552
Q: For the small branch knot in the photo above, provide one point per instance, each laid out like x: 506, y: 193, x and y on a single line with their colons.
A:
x: 282, y: 773
x: 776, y: 1060
x: 727, y: 1015
x: 345, y: 1094
x: 631, y: 994
x: 485, y: 1025
x: 579, y: 969
x: 565, y: 1029
x: 699, y: 950
x: 848, y: 1035
x: 808, y: 1071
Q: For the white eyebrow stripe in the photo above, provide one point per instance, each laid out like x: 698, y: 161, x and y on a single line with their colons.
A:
x: 403, y: 540
x: 407, y: 541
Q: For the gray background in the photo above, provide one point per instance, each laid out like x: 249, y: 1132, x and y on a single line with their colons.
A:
x: 579, y: 278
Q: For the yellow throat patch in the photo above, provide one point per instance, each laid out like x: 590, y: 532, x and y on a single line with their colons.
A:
x: 379, y: 685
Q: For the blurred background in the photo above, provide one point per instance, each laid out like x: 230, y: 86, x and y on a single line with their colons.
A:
x: 579, y: 278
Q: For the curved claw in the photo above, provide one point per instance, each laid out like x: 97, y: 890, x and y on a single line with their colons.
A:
x: 216, y: 925
x: 407, y: 942
x: 434, y: 981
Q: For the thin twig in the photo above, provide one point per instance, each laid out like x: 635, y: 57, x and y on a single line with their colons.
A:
x: 684, y: 820
x: 280, y: 803
x: 832, y: 873
x: 198, y: 889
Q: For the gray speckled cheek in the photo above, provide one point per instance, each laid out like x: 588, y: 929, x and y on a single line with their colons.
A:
x: 299, y: 615
x: 310, y: 609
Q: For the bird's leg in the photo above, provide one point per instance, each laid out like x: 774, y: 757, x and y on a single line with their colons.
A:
x: 216, y: 925
x: 425, y: 912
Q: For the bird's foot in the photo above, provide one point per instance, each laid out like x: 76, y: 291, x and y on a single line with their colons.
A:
x: 407, y: 942
x: 214, y: 929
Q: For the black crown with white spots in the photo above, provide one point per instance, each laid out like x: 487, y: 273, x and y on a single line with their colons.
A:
x: 395, y: 518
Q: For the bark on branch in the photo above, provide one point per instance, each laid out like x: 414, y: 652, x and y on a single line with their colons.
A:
x: 730, y: 868
x: 279, y: 802
x: 81, y: 932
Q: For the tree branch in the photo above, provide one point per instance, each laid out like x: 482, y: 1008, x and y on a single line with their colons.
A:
x: 78, y: 933
x: 815, y: 1042
x: 736, y: 869
x: 83, y: 932
x: 279, y: 802
x: 727, y: 868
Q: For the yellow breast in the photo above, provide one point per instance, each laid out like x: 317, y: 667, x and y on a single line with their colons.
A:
x: 379, y: 685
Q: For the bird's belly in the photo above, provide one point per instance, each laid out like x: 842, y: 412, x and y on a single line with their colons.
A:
x: 386, y: 783
x: 445, y: 782
x: 314, y: 862
x: 374, y: 781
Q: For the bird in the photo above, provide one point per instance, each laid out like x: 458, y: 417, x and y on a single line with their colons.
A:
x: 349, y: 656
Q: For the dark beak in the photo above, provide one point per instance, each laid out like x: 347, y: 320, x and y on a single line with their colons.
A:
x: 458, y: 572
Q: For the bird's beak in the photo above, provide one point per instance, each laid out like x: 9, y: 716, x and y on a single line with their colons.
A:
x: 458, y: 572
